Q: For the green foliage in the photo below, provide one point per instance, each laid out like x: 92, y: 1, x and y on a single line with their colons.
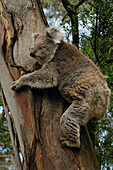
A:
x: 53, y: 10
x: 5, y: 141
x: 99, y: 20
x: 5, y: 144
x: 1, y: 103
x: 104, y: 141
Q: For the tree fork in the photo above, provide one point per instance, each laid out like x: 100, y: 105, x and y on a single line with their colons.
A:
x: 36, y: 113
x: 72, y: 13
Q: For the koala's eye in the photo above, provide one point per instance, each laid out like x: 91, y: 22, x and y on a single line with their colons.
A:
x: 40, y: 48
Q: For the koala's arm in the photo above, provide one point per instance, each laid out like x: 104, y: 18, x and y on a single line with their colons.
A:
x: 44, y: 78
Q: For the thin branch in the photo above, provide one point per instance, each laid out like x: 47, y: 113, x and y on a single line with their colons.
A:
x: 93, y: 48
x: 78, y: 4
x: 64, y: 17
x: 5, y: 156
x: 3, y: 129
x: 102, y: 58
x: 90, y: 43
x: 95, y: 38
x: 109, y: 61
x: 87, y: 52
x: 66, y: 5
x: 91, y: 4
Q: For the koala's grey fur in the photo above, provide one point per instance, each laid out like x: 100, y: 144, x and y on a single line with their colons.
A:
x: 78, y: 80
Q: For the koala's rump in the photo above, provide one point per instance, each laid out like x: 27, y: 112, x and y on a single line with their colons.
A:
x: 90, y: 89
x: 98, y: 99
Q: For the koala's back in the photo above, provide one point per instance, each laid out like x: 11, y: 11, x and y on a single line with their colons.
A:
x: 80, y: 79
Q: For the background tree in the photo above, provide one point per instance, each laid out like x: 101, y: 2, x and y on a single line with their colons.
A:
x: 70, y: 16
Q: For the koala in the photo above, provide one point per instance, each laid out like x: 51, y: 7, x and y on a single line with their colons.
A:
x: 77, y: 79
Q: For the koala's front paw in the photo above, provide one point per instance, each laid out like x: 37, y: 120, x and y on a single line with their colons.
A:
x: 70, y: 143
x: 16, y: 85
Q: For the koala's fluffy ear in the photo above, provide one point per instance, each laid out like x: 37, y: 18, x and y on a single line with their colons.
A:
x: 55, y: 34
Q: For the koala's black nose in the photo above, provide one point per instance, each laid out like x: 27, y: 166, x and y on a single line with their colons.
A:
x: 32, y: 52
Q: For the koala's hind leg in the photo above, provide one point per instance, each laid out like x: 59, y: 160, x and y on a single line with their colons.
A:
x: 73, y: 117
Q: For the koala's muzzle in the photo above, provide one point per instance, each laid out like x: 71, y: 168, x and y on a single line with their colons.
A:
x: 32, y: 52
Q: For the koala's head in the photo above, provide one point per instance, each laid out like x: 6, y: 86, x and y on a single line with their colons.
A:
x: 46, y: 44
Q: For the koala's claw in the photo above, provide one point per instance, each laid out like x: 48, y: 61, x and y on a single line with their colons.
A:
x: 71, y: 144
x: 15, y: 86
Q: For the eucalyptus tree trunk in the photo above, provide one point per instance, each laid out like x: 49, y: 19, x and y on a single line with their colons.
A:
x: 36, y: 113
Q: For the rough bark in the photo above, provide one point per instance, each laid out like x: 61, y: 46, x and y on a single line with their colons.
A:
x: 36, y: 113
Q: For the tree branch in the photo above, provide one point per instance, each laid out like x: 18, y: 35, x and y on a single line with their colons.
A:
x: 78, y: 4
x: 66, y: 5
x: 93, y: 48
x: 64, y: 17
x: 72, y: 13
x: 95, y: 38
x: 109, y: 61
x: 3, y: 129
x: 5, y: 156
x: 106, y: 50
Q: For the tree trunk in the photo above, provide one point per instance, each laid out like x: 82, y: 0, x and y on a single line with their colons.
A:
x: 36, y: 113
x: 75, y: 30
